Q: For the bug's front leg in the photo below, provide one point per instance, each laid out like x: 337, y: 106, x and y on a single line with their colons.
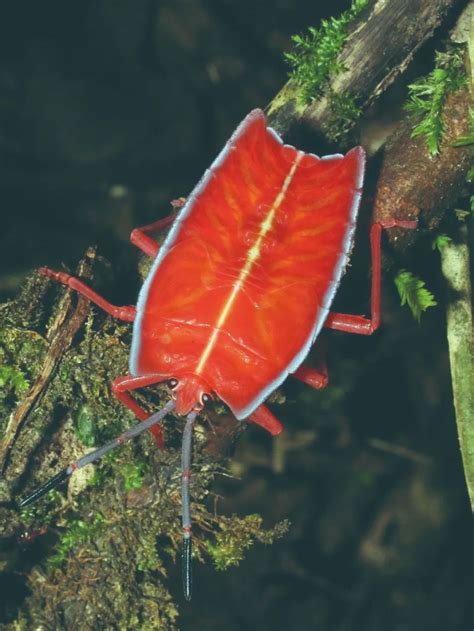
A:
x: 121, y: 313
x: 121, y: 388
x: 358, y: 324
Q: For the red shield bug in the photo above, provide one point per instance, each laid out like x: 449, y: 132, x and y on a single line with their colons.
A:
x: 241, y: 288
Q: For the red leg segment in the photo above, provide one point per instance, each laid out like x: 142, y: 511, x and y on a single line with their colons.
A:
x: 139, y: 236
x: 263, y: 417
x: 355, y: 323
x: 121, y: 313
x: 312, y: 377
x: 125, y: 384
x: 315, y: 377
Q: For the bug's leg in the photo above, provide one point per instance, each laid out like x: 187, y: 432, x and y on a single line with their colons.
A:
x: 122, y: 386
x: 140, y: 236
x: 315, y: 377
x: 263, y: 417
x: 121, y: 313
x: 358, y: 324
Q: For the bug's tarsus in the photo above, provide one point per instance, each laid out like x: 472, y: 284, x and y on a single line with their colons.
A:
x: 131, y: 433
x: 185, y: 503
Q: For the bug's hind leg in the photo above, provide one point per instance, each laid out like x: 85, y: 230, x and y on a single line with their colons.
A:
x: 263, y: 417
x: 140, y: 236
x: 122, y: 386
x: 121, y: 313
x: 317, y: 379
x: 358, y: 324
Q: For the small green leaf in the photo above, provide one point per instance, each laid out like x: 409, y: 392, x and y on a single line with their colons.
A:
x: 413, y: 292
x: 461, y: 214
x: 440, y: 241
x: 133, y: 474
x: 13, y: 378
x: 85, y: 427
x: 464, y: 141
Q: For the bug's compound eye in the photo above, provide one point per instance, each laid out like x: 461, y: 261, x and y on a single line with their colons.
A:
x: 173, y: 383
x: 205, y: 398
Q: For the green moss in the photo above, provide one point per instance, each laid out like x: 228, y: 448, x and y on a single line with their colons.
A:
x: 78, y: 532
x: 428, y: 94
x: 236, y: 535
x: 315, y: 59
x: 12, y: 378
x: 133, y: 474
x: 85, y: 426
x: 119, y: 535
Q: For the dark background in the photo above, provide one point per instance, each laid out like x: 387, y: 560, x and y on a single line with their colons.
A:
x: 110, y: 109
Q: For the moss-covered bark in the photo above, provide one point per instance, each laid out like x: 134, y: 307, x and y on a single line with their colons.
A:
x: 108, y: 542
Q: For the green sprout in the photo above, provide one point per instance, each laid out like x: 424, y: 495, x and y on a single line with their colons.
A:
x: 440, y: 241
x: 315, y: 59
x: 428, y: 95
x: 413, y: 292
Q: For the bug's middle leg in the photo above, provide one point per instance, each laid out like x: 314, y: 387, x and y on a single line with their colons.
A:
x: 140, y: 236
x: 315, y: 377
x: 350, y: 323
x: 121, y: 388
x: 263, y: 417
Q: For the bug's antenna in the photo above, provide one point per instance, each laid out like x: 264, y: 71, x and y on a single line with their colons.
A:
x: 133, y: 432
x: 186, y: 512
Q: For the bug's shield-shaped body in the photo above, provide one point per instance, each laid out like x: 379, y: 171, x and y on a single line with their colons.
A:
x: 243, y: 283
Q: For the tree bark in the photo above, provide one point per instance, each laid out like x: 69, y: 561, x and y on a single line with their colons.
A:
x: 379, y: 47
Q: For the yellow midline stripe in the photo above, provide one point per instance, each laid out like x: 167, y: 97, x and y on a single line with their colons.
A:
x: 252, y: 255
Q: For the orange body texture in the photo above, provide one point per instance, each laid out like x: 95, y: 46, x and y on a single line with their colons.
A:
x: 243, y: 283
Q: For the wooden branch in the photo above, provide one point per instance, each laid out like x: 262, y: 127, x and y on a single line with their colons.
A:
x: 413, y: 185
x: 456, y: 265
x: 379, y: 47
x: 61, y: 334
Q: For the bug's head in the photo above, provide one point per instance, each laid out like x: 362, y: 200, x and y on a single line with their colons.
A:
x: 190, y: 392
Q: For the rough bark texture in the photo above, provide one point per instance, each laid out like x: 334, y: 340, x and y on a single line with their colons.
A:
x: 456, y: 266
x: 413, y: 185
x: 379, y: 47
